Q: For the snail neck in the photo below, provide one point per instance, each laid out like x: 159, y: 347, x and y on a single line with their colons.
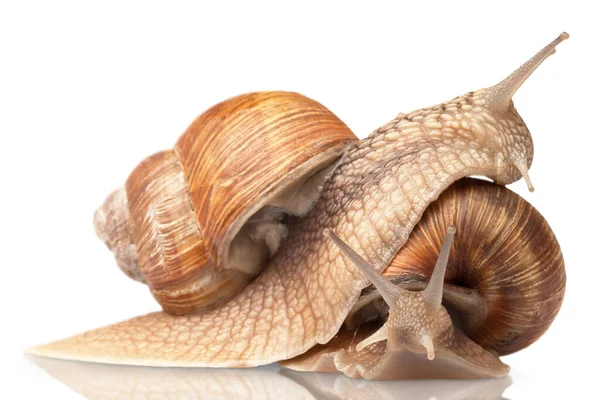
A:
x: 492, y: 143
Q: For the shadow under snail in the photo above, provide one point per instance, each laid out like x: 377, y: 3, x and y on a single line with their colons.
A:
x: 264, y: 231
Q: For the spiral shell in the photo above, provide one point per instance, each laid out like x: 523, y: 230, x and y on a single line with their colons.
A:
x: 504, y: 250
x: 205, y: 217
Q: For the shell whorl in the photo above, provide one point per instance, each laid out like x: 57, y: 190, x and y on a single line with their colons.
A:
x: 200, y: 221
x: 504, y: 249
x: 111, y: 222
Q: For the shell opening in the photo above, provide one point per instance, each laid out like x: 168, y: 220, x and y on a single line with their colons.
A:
x: 261, y: 235
x: 170, y: 255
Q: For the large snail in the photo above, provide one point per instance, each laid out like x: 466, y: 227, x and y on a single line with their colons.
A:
x: 264, y: 232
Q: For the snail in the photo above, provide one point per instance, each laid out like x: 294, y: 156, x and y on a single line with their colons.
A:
x: 290, y: 221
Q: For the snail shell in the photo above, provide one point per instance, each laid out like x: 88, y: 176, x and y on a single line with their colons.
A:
x: 505, y: 258
x: 504, y: 250
x: 198, y: 222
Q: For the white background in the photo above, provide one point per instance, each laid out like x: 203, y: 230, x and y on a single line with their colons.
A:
x: 88, y: 90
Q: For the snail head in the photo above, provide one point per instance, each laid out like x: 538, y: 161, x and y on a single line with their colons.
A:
x: 416, y: 320
x: 510, y: 135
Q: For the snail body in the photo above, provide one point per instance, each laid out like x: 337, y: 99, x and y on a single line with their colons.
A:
x: 369, y: 202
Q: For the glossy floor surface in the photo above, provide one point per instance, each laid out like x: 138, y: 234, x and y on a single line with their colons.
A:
x: 76, y: 380
x: 98, y: 381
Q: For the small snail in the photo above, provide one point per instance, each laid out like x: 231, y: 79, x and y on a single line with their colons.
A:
x: 504, y: 266
x: 264, y: 232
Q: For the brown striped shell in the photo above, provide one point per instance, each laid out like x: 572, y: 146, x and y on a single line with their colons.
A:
x: 504, y: 249
x: 198, y: 222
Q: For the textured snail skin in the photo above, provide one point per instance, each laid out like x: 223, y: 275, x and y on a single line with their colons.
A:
x: 372, y: 201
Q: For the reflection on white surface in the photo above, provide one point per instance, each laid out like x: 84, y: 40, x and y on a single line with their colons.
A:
x: 100, y: 381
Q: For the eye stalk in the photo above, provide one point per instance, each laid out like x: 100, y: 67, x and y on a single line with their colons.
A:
x: 499, y: 99
x: 416, y: 319
x: 432, y: 295
x: 500, y: 95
